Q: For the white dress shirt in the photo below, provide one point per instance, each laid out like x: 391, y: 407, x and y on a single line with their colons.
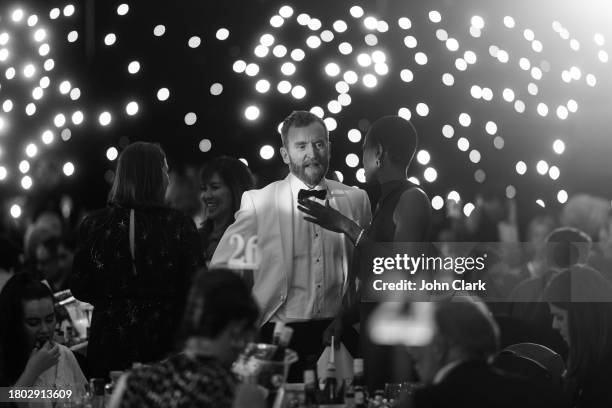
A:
x: 269, y: 214
x: 315, y: 290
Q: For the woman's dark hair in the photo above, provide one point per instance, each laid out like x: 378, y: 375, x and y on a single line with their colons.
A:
x: 217, y: 298
x: 396, y: 136
x: 233, y: 172
x: 140, y: 179
x: 13, y: 348
x: 587, y: 297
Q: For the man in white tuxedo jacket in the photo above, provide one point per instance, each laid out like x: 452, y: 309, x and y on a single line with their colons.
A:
x: 304, y: 269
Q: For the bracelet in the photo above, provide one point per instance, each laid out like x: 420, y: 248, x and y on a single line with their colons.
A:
x: 359, y: 237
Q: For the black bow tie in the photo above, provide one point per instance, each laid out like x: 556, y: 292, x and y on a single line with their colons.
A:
x: 320, y: 194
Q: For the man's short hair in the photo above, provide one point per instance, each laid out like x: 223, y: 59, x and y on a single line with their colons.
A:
x: 468, y: 325
x: 299, y: 119
x: 396, y: 136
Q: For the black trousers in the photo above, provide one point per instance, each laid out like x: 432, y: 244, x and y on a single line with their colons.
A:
x: 307, y: 340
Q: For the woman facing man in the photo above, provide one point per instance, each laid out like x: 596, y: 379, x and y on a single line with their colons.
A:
x: 403, y: 215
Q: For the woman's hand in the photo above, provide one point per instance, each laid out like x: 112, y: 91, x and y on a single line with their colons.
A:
x: 325, y: 216
x: 43, y: 358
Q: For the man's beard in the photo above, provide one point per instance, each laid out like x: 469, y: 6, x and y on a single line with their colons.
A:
x: 306, y: 174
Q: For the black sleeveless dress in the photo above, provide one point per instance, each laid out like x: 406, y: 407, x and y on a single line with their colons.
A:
x: 385, y: 364
x: 382, y: 228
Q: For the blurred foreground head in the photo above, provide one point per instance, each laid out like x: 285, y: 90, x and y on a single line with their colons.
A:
x: 220, y: 309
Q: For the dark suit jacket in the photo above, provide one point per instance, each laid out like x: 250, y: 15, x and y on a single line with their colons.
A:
x: 475, y: 384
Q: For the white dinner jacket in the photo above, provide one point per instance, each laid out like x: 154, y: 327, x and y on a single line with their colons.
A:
x: 268, y: 214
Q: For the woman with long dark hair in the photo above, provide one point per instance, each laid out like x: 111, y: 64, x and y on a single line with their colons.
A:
x: 28, y: 355
x: 223, y: 180
x: 580, y: 301
x: 133, y: 263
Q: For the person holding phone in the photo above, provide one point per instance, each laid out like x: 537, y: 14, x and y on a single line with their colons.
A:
x: 304, y: 269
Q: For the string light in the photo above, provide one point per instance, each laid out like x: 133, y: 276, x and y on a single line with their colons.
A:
x: 363, y: 70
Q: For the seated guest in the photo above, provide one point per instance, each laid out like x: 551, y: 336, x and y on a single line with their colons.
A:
x: 580, y: 301
x: 223, y: 180
x: 456, y: 368
x: 134, y: 262
x: 218, y: 323
x: 564, y: 247
x: 28, y: 355
x: 49, y: 259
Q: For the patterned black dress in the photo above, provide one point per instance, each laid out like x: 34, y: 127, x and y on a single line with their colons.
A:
x: 136, y: 309
x: 181, y: 381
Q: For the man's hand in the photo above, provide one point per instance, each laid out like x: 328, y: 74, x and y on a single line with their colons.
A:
x: 334, y: 329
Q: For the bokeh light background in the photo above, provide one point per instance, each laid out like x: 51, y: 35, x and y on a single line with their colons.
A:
x: 506, y: 96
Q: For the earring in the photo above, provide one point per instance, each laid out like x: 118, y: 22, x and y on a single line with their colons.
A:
x: 377, y: 163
